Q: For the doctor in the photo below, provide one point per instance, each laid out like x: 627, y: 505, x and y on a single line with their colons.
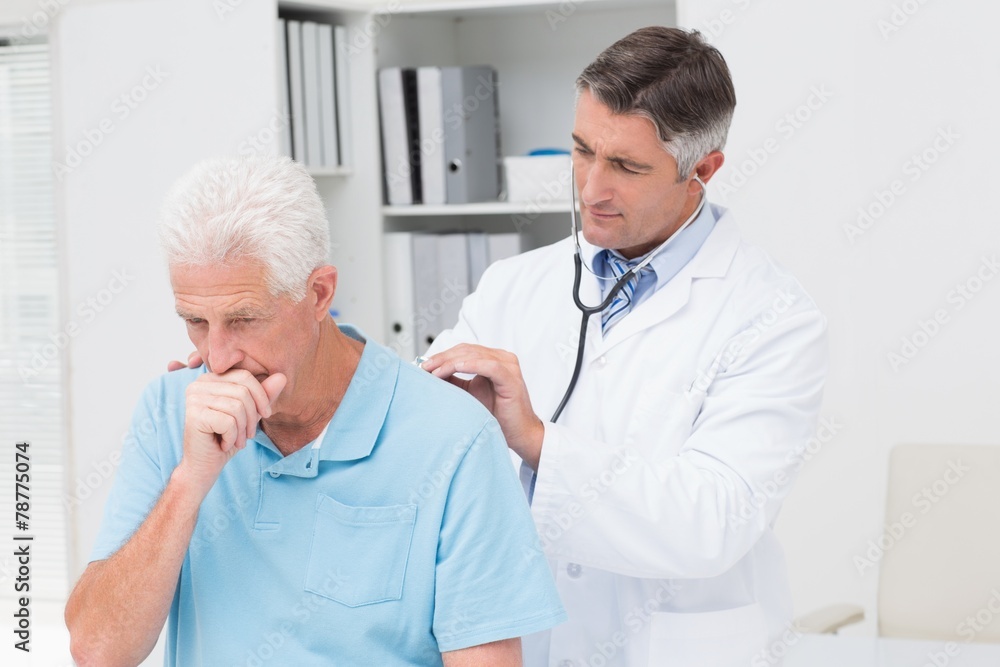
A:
x: 656, y: 490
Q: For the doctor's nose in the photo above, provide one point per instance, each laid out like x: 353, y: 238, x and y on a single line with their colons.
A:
x: 595, y: 185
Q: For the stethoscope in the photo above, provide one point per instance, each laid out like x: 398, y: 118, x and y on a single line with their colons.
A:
x: 618, y: 287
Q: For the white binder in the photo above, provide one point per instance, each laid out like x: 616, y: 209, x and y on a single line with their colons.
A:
x: 401, y: 335
x: 453, y: 278
x: 341, y: 62
x: 285, y: 137
x: 311, y: 95
x: 295, y: 95
x: 431, y: 112
x: 327, y: 99
x: 395, y: 141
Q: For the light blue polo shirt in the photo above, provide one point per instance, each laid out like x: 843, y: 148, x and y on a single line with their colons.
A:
x: 405, y: 533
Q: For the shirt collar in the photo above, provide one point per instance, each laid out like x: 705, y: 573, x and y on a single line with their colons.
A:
x: 671, y: 259
x: 356, y: 424
x: 359, y: 417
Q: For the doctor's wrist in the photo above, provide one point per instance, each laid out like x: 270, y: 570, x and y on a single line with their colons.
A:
x: 528, y: 443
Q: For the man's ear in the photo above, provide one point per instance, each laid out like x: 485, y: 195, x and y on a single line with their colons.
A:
x: 320, y: 289
x: 708, y: 165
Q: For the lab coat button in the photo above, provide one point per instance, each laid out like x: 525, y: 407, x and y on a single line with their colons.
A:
x: 602, y: 360
x: 274, y: 475
x: 574, y: 570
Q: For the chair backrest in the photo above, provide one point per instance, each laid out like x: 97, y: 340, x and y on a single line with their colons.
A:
x: 940, y: 570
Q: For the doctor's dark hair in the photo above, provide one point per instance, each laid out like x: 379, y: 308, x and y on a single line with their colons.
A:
x: 252, y: 209
x: 676, y: 80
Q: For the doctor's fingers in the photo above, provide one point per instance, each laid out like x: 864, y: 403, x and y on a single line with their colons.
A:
x: 464, y: 352
x: 239, y: 383
x: 502, y: 372
x: 194, y: 360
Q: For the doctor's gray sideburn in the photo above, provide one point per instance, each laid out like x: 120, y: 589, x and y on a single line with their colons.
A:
x: 675, y: 79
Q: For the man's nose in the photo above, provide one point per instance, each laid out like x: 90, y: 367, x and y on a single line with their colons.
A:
x: 223, y: 353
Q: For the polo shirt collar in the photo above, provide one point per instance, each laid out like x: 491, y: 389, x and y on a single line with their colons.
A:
x: 359, y: 417
x: 354, y: 429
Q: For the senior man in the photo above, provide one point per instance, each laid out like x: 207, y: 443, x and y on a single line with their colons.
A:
x: 304, y: 497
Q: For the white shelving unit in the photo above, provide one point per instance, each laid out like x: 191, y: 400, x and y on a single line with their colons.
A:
x: 538, y: 49
x: 481, y: 208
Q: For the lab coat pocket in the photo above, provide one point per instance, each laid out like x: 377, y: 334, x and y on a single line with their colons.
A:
x: 358, y: 555
x: 727, y: 638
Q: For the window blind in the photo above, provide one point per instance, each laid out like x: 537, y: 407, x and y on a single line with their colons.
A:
x: 31, y: 347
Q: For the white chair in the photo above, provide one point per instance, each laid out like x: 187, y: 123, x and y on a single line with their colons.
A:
x: 944, y: 566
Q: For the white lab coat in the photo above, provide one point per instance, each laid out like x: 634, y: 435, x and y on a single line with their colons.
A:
x: 658, y: 487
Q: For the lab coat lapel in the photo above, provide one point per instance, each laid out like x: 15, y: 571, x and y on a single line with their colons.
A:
x: 712, y: 260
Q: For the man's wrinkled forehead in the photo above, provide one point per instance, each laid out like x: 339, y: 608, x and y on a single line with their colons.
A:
x: 237, y: 291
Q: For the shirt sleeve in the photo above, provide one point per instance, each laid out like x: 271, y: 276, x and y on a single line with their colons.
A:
x: 492, y: 579
x: 139, y: 480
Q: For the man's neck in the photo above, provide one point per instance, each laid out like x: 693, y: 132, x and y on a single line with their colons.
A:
x: 318, y: 392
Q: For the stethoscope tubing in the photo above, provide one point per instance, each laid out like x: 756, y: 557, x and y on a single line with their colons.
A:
x: 586, y: 310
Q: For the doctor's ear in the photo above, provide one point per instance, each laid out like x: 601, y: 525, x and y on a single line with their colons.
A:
x: 708, y: 165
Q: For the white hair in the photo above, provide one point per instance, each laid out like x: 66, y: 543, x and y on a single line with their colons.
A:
x: 258, y: 208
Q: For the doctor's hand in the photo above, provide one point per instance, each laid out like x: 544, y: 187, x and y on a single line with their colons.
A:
x: 499, y: 386
x: 194, y: 360
x: 221, y: 413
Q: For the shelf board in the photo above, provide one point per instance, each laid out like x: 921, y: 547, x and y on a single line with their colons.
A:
x: 360, y: 6
x: 466, y: 7
x: 479, y: 208
x: 316, y: 172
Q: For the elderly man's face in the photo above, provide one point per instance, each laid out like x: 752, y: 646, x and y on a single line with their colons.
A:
x: 236, y: 323
x: 629, y: 196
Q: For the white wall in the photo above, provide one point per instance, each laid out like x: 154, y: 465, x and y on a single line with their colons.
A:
x: 198, y: 84
x: 889, y: 97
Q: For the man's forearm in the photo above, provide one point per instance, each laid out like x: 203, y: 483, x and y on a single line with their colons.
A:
x: 504, y: 653
x: 118, y: 607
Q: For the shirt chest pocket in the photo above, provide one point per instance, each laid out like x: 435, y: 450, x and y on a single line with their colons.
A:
x: 359, y: 554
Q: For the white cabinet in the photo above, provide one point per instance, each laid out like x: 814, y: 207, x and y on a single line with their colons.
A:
x: 538, y: 49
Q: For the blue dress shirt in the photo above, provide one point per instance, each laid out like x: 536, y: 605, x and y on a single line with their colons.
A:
x: 664, y: 265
